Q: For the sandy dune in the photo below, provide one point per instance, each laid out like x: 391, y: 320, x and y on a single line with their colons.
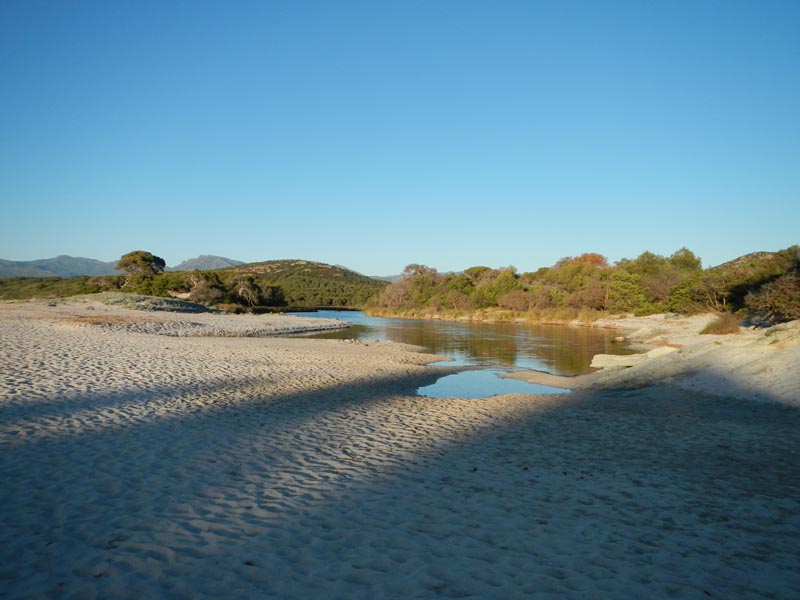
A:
x: 142, y: 465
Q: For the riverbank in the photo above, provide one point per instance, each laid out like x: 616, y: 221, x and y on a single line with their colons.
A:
x: 754, y: 364
x: 140, y: 464
x: 560, y: 316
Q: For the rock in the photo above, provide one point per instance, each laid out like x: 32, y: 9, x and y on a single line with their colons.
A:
x: 605, y: 361
x: 660, y: 351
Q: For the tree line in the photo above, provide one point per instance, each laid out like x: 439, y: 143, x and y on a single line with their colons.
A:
x: 766, y: 284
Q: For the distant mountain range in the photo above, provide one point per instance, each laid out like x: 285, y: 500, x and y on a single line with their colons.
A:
x: 389, y: 278
x: 60, y: 266
x: 206, y: 262
x: 72, y: 266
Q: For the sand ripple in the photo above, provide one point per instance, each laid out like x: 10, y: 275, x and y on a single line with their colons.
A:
x: 137, y: 465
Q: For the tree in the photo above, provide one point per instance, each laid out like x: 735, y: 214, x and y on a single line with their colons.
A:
x: 647, y: 263
x: 140, y: 262
x: 206, y: 287
x: 423, y: 282
x: 661, y: 275
x: 625, y: 292
x: 272, y: 295
x: 460, y: 283
x: 506, y: 282
x: 396, y: 295
x: 457, y: 300
x: 779, y: 299
x: 247, y: 290
x: 661, y: 283
x: 685, y: 260
x: 475, y: 274
x: 415, y: 270
x: 515, y: 300
x: 592, y: 258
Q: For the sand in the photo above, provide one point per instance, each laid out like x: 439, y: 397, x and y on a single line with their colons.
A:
x: 135, y: 463
x: 757, y: 364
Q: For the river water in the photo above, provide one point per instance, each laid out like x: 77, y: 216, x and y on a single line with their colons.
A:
x: 500, y: 347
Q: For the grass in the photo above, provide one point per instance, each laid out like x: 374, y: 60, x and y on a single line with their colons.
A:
x: 724, y: 324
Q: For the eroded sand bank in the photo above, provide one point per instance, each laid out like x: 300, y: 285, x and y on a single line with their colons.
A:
x: 140, y: 465
x: 757, y: 364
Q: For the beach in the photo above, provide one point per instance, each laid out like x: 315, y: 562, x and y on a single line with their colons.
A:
x: 147, y: 455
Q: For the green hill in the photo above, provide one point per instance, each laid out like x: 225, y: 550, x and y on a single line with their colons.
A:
x: 307, y: 283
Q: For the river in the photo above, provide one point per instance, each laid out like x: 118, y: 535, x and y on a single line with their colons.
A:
x: 499, y: 347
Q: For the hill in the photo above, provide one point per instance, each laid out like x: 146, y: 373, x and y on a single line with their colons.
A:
x: 206, y: 262
x: 746, y: 260
x: 307, y: 283
x: 766, y: 282
x: 60, y: 266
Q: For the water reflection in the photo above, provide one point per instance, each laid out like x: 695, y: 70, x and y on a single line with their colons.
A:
x: 559, y: 350
x: 481, y: 384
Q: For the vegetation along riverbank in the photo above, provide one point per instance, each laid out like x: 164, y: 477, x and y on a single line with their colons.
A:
x: 760, y: 286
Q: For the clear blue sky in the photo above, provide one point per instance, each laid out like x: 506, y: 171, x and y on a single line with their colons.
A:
x: 377, y: 134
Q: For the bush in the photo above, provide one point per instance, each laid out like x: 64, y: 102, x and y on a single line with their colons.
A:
x: 625, y: 293
x: 515, y: 300
x: 724, y: 324
x: 778, y: 300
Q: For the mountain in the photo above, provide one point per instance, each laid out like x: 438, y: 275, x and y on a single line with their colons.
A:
x: 206, y: 262
x: 389, y: 278
x: 60, y: 266
x: 71, y: 266
x: 386, y: 278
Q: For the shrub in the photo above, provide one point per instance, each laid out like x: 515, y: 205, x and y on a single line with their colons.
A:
x: 515, y: 300
x: 724, y: 324
x: 778, y: 300
x: 625, y: 293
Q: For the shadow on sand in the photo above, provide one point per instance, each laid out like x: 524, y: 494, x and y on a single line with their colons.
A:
x: 365, y: 491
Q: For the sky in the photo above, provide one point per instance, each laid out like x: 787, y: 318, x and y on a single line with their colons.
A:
x: 378, y: 134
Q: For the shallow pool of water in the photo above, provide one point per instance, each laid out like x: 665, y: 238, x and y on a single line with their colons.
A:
x: 559, y: 350
x: 482, y: 383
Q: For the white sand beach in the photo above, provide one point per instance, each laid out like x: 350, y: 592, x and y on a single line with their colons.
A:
x: 152, y: 455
